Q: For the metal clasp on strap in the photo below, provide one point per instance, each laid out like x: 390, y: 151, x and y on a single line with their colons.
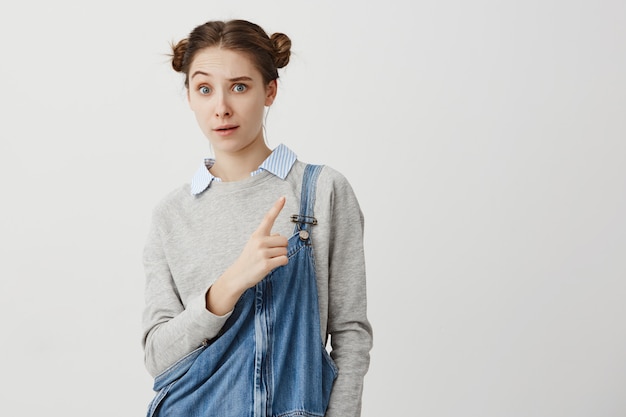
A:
x: 298, y: 218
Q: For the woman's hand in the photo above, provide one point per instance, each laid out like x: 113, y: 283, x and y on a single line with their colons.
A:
x: 262, y: 253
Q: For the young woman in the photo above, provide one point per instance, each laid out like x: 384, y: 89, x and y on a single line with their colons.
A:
x: 254, y: 264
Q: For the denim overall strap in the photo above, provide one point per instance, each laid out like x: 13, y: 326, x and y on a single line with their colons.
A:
x: 305, y: 219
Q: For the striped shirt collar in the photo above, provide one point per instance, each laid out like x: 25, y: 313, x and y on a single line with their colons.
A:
x: 278, y: 163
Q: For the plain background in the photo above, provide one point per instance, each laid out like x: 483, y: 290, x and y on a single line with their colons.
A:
x: 485, y: 141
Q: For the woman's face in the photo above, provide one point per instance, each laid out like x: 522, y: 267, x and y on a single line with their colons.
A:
x: 228, y: 96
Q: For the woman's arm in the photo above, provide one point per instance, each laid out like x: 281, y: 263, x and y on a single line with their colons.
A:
x: 350, y: 330
x: 170, y: 330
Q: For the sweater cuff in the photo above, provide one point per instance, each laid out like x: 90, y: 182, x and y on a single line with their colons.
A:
x: 204, y: 319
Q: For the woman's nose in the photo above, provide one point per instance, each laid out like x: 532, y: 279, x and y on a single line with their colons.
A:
x: 222, y: 108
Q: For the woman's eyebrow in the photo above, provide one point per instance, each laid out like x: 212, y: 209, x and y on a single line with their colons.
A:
x: 242, y: 78
x: 200, y: 73
x: 234, y: 79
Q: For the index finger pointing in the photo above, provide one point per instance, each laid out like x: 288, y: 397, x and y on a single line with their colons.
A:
x: 265, y: 227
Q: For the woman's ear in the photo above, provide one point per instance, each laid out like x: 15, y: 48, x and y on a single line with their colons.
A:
x: 270, y: 92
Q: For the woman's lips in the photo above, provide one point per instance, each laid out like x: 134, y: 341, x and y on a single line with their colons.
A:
x: 225, y: 130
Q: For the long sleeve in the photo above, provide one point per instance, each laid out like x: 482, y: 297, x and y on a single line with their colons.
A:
x: 170, y: 329
x: 350, y: 330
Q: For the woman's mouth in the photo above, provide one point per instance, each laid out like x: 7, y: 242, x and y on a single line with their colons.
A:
x: 225, y: 130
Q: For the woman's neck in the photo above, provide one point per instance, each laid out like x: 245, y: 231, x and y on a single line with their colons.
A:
x: 236, y: 166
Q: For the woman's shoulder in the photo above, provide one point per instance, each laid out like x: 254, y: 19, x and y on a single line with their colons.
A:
x: 334, y: 196
x: 328, y: 176
x: 331, y: 183
x: 173, y: 201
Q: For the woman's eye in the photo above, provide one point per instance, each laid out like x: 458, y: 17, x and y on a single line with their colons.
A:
x: 240, y: 88
x: 204, y: 90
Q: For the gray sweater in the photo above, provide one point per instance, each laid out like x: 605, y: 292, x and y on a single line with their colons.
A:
x: 195, y: 238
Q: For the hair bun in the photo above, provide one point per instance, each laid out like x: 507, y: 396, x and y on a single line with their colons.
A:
x: 178, y: 54
x: 282, y: 49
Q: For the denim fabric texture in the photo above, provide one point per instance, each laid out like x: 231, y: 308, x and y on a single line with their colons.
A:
x: 268, y: 360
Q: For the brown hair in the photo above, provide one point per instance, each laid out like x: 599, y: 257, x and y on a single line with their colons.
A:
x: 268, y: 53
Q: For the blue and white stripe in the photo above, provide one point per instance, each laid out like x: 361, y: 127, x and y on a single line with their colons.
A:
x: 278, y: 163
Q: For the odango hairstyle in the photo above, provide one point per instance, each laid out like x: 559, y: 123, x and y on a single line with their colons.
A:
x: 268, y: 53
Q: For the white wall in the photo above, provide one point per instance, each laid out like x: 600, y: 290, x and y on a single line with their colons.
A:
x: 485, y: 141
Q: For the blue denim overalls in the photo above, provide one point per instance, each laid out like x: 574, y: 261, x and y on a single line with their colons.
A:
x: 268, y: 360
